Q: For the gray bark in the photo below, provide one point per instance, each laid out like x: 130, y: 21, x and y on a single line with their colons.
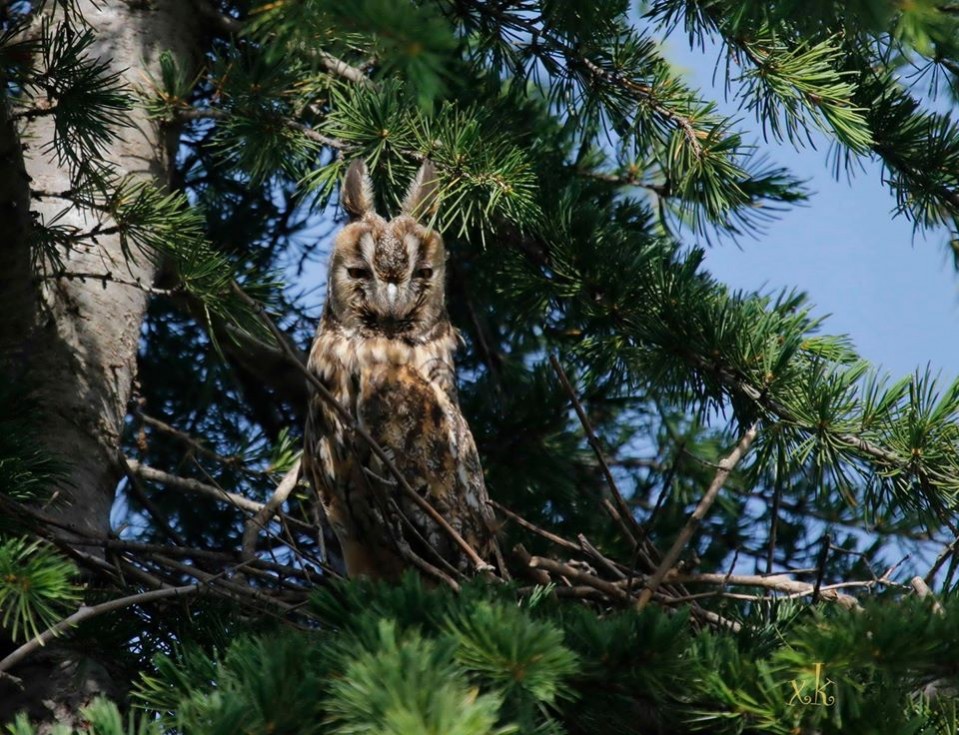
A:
x: 73, y: 342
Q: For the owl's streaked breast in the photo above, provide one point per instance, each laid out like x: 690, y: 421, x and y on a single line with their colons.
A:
x: 338, y: 355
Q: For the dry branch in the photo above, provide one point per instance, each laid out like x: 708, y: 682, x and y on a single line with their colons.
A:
x: 726, y: 466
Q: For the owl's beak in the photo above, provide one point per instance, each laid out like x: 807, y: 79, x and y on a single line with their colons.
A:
x: 391, y: 292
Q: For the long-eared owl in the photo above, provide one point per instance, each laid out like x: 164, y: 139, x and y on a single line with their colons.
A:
x: 384, y: 348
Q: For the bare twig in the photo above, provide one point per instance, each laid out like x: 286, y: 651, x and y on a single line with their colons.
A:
x: 187, y: 483
x: 726, y: 466
x: 611, y: 566
x: 621, y: 506
x: 529, y: 526
x: 264, y: 514
x: 821, y: 566
x: 944, y: 555
x: 774, y: 521
x: 537, y: 575
x: 87, y: 612
x: 223, y: 557
x: 138, y: 491
x: 776, y: 582
x: 109, y: 277
x: 923, y: 592
x: 578, y: 575
x: 187, y: 439
x: 239, y: 590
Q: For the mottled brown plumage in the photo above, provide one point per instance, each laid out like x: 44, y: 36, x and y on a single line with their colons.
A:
x: 384, y: 348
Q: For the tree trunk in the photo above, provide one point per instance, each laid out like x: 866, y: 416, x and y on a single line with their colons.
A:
x: 73, y: 343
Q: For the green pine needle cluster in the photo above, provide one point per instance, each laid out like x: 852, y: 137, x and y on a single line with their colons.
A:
x: 477, y: 664
x: 36, y: 587
x: 484, y: 670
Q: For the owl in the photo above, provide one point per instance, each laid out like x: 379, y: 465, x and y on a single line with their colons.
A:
x: 384, y: 349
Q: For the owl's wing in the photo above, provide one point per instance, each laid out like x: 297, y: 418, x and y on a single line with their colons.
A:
x: 428, y: 440
x: 334, y: 466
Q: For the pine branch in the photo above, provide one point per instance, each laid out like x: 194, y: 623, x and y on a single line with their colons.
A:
x: 541, y: 37
x: 862, y: 104
x: 231, y: 26
x: 883, y: 457
x: 107, y: 277
x: 206, y: 113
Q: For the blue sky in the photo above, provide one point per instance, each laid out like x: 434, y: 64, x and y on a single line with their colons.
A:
x: 894, y: 292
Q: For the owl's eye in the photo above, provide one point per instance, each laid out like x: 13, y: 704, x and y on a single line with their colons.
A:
x: 363, y: 273
x: 424, y: 273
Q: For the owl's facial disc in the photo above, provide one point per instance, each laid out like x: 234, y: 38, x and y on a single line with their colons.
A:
x: 391, y: 274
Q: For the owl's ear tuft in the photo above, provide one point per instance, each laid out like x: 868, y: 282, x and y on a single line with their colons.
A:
x: 357, y: 192
x: 422, y: 198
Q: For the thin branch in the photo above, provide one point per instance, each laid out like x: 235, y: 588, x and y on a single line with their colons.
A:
x: 340, y: 68
x: 187, y: 483
x: 206, y: 113
x: 774, y: 520
x: 239, y: 590
x: 775, y: 582
x: 923, y: 592
x: 821, y: 566
x: 264, y: 514
x: 726, y: 466
x: 948, y: 551
x: 109, y: 277
x: 611, y: 566
x: 578, y: 575
x: 530, y: 526
x: 621, y: 506
x: 628, y: 179
x: 223, y: 557
x: 189, y: 440
x: 138, y: 491
x: 87, y: 612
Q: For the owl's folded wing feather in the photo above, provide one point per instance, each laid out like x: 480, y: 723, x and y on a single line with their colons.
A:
x: 334, y: 466
x: 429, y: 441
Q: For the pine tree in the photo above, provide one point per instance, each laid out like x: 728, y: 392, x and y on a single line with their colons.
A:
x: 684, y: 474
